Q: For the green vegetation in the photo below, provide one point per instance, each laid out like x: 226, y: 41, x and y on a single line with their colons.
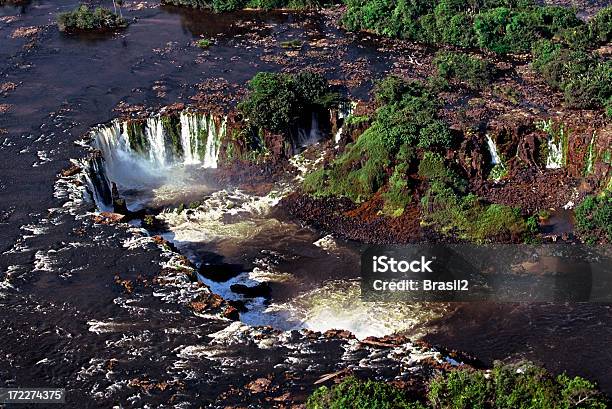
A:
x: 204, y: 43
x: 508, y: 93
x: 136, y: 135
x: 352, y: 393
x: 600, y: 26
x: 222, y: 6
x: 583, y: 77
x: 473, y: 71
x: 594, y: 217
x: 276, y: 101
x: 291, y: 44
x: 404, y: 129
x: 171, y: 125
x: 518, y: 386
x: 502, y: 26
x: 85, y: 19
x: 406, y: 120
x: 513, y: 386
x: 560, y: 42
x: 469, y: 218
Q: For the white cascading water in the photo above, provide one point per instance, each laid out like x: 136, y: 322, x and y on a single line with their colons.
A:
x: 195, y: 149
x: 312, y: 135
x: 151, y: 162
x: 213, y: 142
x: 345, y: 109
x: 554, y: 160
x: 154, y: 132
x: 200, y: 141
x: 495, y: 159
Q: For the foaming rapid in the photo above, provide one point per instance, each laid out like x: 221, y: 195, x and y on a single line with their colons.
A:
x: 154, y: 160
x: 313, y: 279
x: 337, y: 304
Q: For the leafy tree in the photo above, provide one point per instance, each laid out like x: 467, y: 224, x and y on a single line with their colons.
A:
x: 276, y: 101
x: 473, y: 71
x: 85, y: 19
x: 352, y: 393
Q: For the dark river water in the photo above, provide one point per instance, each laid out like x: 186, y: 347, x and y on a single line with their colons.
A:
x: 65, y: 323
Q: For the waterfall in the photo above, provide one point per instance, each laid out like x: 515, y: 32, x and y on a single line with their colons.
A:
x: 556, y: 142
x: 213, y: 142
x: 155, y: 134
x: 97, y: 181
x: 345, y: 109
x: 590, y: 159
x: 495, y: 159
x: 139, y: 154
x: 554, y: 159
x: 194, y: 139
x: 307, y: 137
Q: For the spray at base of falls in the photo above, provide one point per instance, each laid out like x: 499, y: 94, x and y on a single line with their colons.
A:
x: 152, y: 153
x: 337, y: 304
x: 242, y: 229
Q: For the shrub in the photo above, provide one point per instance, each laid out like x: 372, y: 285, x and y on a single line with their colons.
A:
x: 600, y: 26
x: 221, y: 6
x: 460, y: 390
x: 433, y: 169
x: 584, y: 78
x: 409, y: 107
x: 352, y: 393
x: 473, y: 71
x: 435, y: 134
x: 397, y: 195
x: 276, y: 101
x: 594, y: 217
x: 197, y: 4
x: 466, y: 216
x: 501, y: 26
x: 296, y: 44
x: 513, y: 386
x: 85, y: 19
x: 407, y: 118
x: 391, y: 90
x: 358, y: 173
x: 204, y: 43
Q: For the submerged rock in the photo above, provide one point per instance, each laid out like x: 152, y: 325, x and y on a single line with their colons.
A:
x: 259, y: 290
x: 108, y: 218
x: 219, y: 272
x: 71, y: 171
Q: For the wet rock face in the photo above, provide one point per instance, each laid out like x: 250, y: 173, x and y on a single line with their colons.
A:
x: 531, y: 190
x: 584, y: 144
